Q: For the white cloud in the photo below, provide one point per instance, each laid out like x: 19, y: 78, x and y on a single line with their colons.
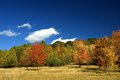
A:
x: 41, y: 35
x: 63, y: 40
x: 28, y: 25
x: 9, y: 33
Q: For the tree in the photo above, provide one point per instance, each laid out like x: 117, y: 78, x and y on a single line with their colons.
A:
x: 81, y: 54
x: 116, y: 43
x: 53, y: 60
x: 105, y: 55
x: 10, y: 58
x: 108, y: 58
x: 69, y: 44
x: 25, y: 58
x: 33, y: 56
x: 49, y: 49
x: 59, y: 49
x: 1, y: 59
x: 43, y: 43
x: 69, y: 49
x: 37, y: 54
x: 91, y: 52
x: 20, y: 50
x: 57, y: 44
x: 91, y: 41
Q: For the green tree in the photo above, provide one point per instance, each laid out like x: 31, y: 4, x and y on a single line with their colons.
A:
x: 53, y: 60
x: 20, y: 50
x: 91, y: 41
x: 10, y: 58
x: 2, y: 58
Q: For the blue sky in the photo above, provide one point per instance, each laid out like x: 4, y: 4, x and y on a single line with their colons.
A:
x: 68, y: 19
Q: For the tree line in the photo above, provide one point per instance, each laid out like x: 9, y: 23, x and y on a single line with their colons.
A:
x: 104, y: 52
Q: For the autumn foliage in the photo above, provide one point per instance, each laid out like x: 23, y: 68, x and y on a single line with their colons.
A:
x: 38, y: 54
x: 81, y: 54
x: 34, y: 55
x: 103, y: 52
x: 105, y: 55
x: 116, y: 41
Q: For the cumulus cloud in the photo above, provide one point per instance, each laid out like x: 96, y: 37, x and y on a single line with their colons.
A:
x: 9, y: 33
x: 28, y: 25
x: 63, y: 40
x: 40, y: 35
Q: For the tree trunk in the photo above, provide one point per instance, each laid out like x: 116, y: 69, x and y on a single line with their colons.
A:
x: 79, y: 63
x: 27, y: 68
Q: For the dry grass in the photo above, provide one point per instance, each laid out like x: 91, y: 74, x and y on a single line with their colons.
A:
x: 58, y: 73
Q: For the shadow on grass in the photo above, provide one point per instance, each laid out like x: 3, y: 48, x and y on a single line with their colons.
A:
x: 73, y: 66
x: 118, y: 70
x: 8, y: 67
x: 31, y: 69
x: 85, y: 68
x: 96, y: 70
x: 92, y: 69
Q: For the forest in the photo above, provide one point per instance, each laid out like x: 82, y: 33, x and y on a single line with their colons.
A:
x: 103, y: 52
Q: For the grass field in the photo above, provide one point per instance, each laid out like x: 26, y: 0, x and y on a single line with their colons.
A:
x: 70, y: 72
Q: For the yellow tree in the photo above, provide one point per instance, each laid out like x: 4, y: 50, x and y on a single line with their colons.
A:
x: 25, y: 58
x: 105, y: 55
x: 80, y: 54
x: 116, y: 40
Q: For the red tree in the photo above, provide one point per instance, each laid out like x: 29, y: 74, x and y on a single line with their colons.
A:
x: 38, y: 54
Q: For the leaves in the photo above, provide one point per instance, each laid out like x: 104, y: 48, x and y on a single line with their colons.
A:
x: 104, y: 52
x: 81, y: 54
x: 38, y: 54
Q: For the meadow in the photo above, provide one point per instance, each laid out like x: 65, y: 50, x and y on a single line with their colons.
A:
x: 69, y: 72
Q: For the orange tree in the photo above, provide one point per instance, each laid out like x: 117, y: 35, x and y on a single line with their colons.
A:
x: 116, y: 43
x: 104, y: 54
x: 38, y: 54
x: 34, y: 55
x: 80, y: 54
